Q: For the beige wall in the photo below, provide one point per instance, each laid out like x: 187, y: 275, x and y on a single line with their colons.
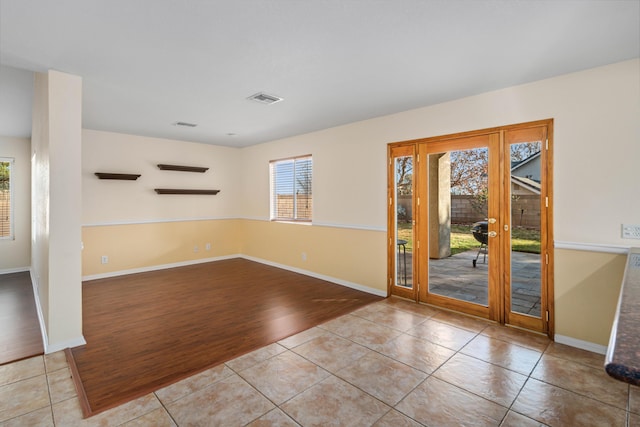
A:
x: 111, y: 201
x: 15, y: 254
x: 344, y: 255
x: 596, y: 137
x: 596, y: 132
x: 138, y: 229
x: 585, y: 309
x: 142, y: 246
x: 56, y: 202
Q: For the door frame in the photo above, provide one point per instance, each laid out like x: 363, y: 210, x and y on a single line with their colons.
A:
x: 497, y: 300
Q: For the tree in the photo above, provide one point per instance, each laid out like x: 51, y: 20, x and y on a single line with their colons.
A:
x: 4, y: 175
x: 404, y: 175
x: 469, y: 169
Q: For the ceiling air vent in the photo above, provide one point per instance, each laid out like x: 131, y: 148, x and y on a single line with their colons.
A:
x: 265, y: 98
x: 189, y: 125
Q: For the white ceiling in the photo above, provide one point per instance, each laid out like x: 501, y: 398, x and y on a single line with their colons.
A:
x: 146, y: 64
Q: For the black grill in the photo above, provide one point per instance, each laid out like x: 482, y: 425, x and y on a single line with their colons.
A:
x: 480, y: 231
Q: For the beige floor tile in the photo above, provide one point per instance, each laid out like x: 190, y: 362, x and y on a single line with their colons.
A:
x: 469, y: 323
x: 582, y: 379
x: 331, y: 352
x: 419, y: 354
x: 513, y: 419
x: 394, y: 418
x: 228, y: 402
x: 388, y: 316
x: 502, y: 353
x: 21, y: 370
x: 515, y: 336
x: 274, y: 418
x: 283, y: 376
x: 334, y: 402
x: 302, y: 337
x: 634, y: 420
x: 39, y: 418
x: 61, y: 385
x: 492, y: 382
x: 585, y: 357
x: 558, y: 407
x: 361, y: 331
x: 634, y: 399
x: 55, y: 361
x: 69, y: 414
x: 442, y: 334
x: 192, y: 384
x: 157, y: 418
x: 437, y: 403
x: 248, y: 360
x: 22, y: 397
x: 382, y: 377
x: 410, y: 306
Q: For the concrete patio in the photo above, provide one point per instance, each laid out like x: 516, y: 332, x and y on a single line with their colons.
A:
x: 456, y: 277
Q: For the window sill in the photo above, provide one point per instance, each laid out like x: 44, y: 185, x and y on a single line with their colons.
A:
x: 288, y: 221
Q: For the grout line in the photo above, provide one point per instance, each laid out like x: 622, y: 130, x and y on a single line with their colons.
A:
x: 163, y: 407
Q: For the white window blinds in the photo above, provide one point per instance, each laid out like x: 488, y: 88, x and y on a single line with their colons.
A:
x: 291, y: 189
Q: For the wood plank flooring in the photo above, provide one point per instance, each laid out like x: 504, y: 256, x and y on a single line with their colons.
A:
x: 148, y: 330
x: 20, y: 335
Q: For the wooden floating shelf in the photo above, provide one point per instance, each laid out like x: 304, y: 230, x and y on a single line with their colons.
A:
x: 179, y: 191
x: 182, y: 168
x: 120, y: 176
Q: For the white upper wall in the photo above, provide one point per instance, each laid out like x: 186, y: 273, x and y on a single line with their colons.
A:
x: 596, y: 143
x: 112, y: 201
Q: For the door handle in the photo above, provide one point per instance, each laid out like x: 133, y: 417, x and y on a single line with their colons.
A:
x: 492, y: 234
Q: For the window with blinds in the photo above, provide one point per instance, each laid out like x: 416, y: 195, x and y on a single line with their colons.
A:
x: 6, y: 211
x: 291, y: 184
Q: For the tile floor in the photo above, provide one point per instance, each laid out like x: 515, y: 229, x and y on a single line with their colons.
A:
x: 392, y: 363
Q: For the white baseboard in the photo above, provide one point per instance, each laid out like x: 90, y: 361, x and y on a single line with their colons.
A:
x: 50, y: 348
x: 584, y: 345
x: 74, y: 342
x: 351, y: 285
x: 155, y: 267
x: 36, y: 296
x: 14, y: 270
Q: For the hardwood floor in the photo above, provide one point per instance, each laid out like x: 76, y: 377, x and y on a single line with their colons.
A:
x: 20, y: 335
x: 148, y: 330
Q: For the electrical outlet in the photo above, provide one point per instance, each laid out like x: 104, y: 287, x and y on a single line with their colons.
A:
x: 104, y: 259
x: 630, y: 231
x: 207, y: 247
x: 195, y: 249
x: 304, y: 256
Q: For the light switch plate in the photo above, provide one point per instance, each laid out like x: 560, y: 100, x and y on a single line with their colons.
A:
x: 630, y: 231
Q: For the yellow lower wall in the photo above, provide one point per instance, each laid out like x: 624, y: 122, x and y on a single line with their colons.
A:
x: 138, y: 246
x: 352, y: 255
x: 587, y: 286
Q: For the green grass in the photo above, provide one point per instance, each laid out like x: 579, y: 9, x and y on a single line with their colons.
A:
x: 522, y: 240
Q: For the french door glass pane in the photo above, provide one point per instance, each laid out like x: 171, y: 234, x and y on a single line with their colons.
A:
x: 458, y: 194
x: 525, y: 227
x: 404, y: 221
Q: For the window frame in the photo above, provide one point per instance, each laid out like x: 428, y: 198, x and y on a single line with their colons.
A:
x: 11, y: 161
x: 273, y: 208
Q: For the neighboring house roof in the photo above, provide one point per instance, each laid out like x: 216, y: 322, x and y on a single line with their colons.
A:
x: 526, y: 183
x: 519, y: 164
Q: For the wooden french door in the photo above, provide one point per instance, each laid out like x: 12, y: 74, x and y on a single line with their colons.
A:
x: 470, y: 223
